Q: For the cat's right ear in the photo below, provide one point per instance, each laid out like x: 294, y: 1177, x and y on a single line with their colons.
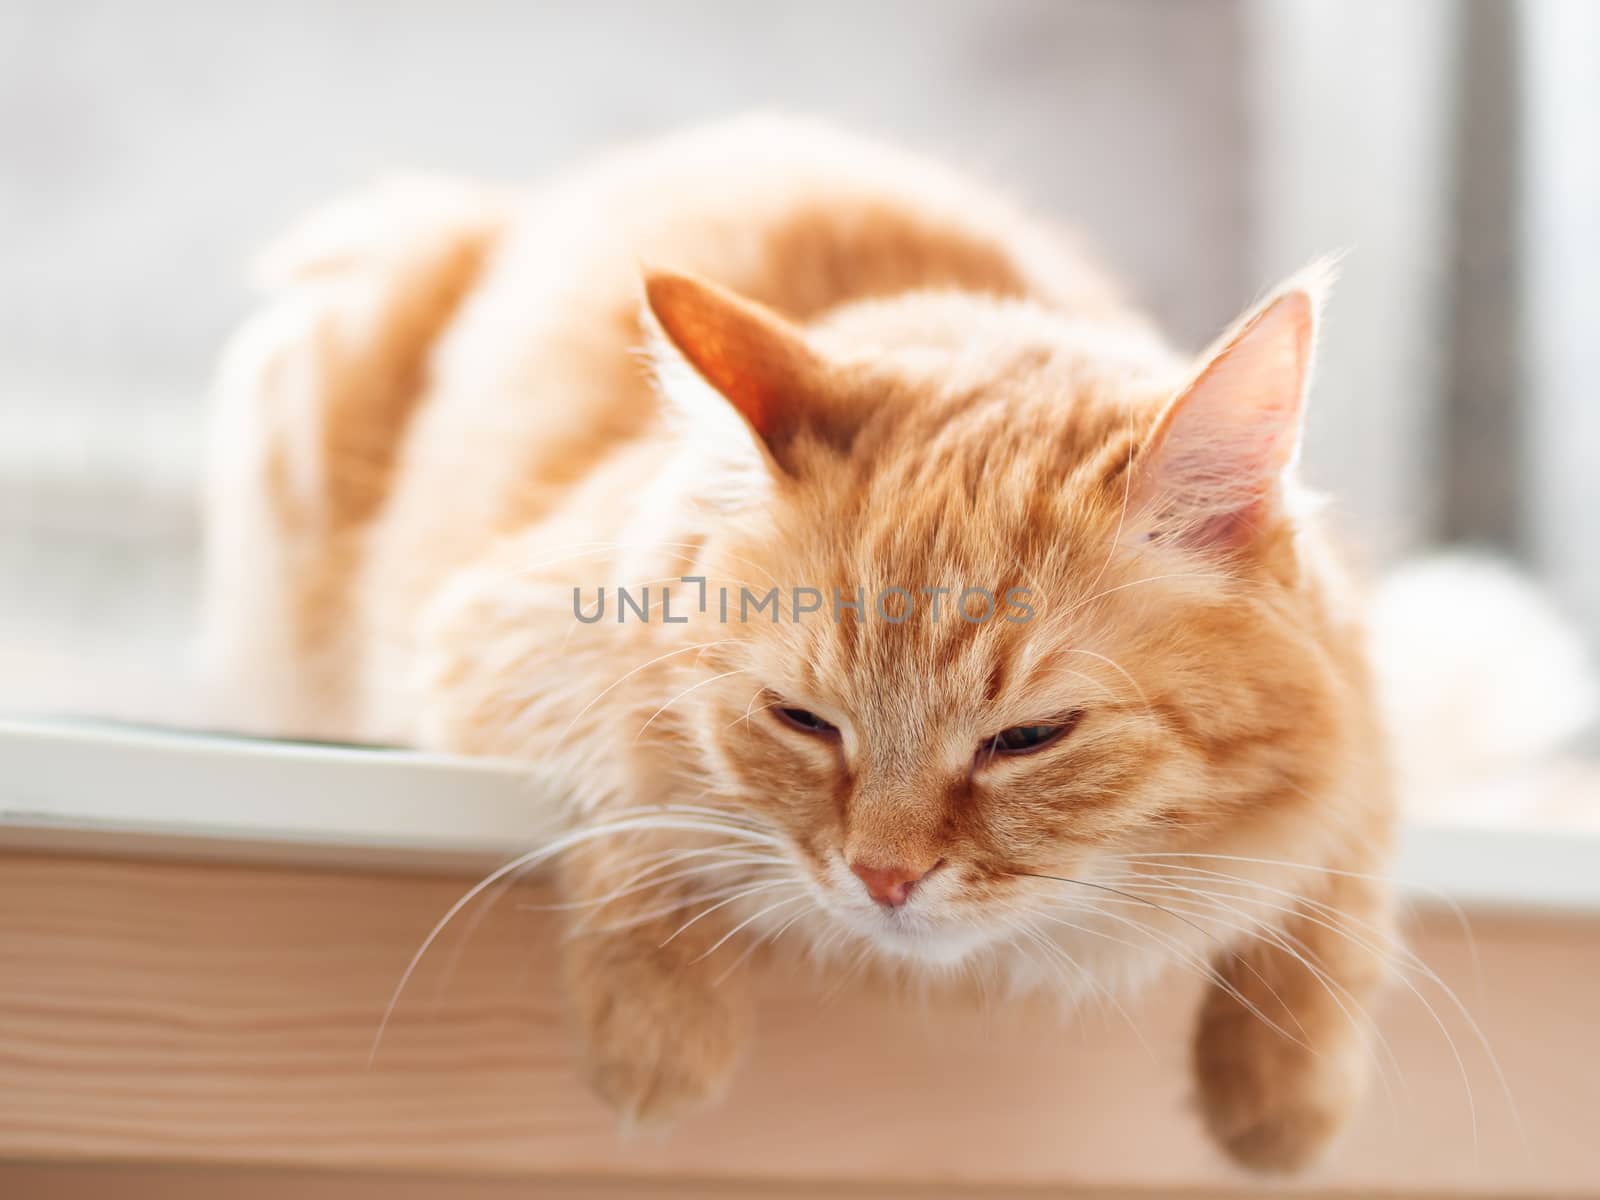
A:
x: 1214, y: 467
x: 720, y: 356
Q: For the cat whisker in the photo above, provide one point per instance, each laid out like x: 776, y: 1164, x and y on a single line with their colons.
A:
x: 862, y: 956
x: 1172, y: 948
x: 1254, y: 928
x: 1207, y: 970
x: 645, y: 881
x: 752, y: 918
x: 1199, y: 965
x: 492, y: 900
x: 713, y: 820
x: 686, y: 691
x: 750, y: 711
x: 1109, y: 693
x: 673, y: 907
x: 1282, y: 940
x: 1114, y: 891
x: 1385, y: 880
x: 1436, y: 895
x: 1045, y: 962
x: 1344, y: 999
x: 1115, y: 666
x: 745, y: 820
x: 1108, y: 992
x: 706, y: 912
x: 1219, y: 878
x: 768, y: 940
x: 699, y: 646
x: 531, y: 858
x: 1409, y: 960
x: 1083, y: 975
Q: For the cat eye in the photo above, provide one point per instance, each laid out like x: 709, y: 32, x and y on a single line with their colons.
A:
x: 1025, y: 739
x: 805, y: 720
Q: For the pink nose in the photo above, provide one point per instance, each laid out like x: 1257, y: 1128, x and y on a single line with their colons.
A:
x: 890, y: 886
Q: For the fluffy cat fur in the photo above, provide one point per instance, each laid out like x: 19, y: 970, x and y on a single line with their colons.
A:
x: 770, y: 354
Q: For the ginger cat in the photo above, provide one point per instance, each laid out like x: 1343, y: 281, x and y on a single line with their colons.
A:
x: 881, y: 582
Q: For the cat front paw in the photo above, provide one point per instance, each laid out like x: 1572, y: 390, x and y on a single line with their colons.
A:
x: 660, y: 1041
x: 1270, y: 1103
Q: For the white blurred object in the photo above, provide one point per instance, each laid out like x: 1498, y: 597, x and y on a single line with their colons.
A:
x: 1482, y: 681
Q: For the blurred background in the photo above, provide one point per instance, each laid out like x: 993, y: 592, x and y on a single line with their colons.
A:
x: 1449, y: 148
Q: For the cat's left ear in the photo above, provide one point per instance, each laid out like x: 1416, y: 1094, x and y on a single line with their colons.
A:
x: 746, y: 365
x: 1213, y: 467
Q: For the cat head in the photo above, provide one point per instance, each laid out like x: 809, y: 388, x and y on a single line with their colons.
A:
x: 1043, y: 599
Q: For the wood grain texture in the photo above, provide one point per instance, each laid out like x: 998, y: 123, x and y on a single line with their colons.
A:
x: 182, y: 1017
x: 97, y: 1181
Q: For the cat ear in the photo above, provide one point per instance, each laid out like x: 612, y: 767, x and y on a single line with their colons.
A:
x: 751, y: 357
x: 1212, y: 468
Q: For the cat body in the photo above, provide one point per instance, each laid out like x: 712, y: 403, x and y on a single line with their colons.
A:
x: 1050, y: 672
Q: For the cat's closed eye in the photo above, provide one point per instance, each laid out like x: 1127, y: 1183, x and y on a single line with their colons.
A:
x: 804, y: 720
x: 1025, y: 739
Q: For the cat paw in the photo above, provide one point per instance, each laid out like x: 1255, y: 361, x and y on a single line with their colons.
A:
x: 658, y: 1047
x: 1273, y: 1105
x: 1284, y: 1139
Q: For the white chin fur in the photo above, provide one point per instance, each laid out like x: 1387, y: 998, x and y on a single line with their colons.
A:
x: 912, y: 937
x: 916, y: 933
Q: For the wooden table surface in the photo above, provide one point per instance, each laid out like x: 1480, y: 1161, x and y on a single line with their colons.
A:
x: 178, y: 1027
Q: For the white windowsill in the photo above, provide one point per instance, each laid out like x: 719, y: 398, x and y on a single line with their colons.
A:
x: 89, y: 788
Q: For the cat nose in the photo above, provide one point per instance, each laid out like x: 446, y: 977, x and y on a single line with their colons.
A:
x: 890, y: 886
